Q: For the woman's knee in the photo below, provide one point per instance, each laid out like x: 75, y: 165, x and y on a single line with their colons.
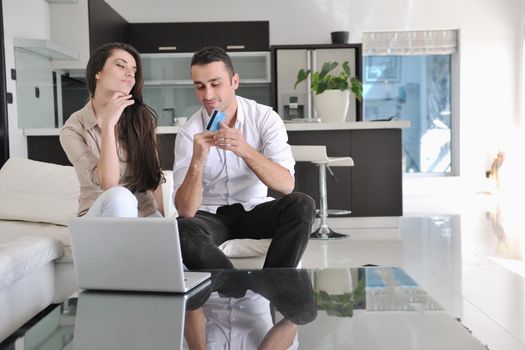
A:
x: 120, y: 202
x: 120, y: 194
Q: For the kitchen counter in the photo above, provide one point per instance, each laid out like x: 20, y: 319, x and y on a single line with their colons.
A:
x: 372, y: 187
x: 397, y: 124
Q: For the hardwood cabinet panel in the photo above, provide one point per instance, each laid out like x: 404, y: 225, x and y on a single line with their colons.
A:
x: 105, y: 25
x: 377, y: 176
x: 238, y: 36
x: 165, y: 37
x: 192, y: 36
x: 372, y: 187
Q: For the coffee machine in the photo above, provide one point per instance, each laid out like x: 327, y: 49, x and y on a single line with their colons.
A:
x: 293, y: 110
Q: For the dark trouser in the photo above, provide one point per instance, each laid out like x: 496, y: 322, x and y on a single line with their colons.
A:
x: 289, y: 290
x: 287, y: 220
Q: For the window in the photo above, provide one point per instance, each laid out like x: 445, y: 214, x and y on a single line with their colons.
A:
x: 407, y: 76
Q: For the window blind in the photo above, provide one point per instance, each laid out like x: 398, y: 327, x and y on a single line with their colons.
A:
x: 425, y: 42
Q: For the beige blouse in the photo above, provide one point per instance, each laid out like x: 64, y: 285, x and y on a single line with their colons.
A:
x: 81, y: 139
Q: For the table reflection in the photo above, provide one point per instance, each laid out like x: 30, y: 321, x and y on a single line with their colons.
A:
x: 352, y: 308
x: 235, y: 311
x: 238, y: 312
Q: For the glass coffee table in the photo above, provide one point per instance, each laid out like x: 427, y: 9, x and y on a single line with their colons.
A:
x: 353, y: 308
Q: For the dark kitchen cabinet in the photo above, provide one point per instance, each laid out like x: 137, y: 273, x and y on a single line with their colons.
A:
x: 192, y: 36
x: 372, y: 187
x: 165, y: 37
x: 105, y: 25
x: 236, y: 36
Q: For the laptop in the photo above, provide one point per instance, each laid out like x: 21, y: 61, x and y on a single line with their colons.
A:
x: 115, y: 320
x: 130, y: 254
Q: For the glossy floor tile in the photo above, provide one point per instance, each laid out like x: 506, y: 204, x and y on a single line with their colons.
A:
x: 465, y: 251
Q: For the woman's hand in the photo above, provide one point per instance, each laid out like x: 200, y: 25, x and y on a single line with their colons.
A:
x: 110, y: 113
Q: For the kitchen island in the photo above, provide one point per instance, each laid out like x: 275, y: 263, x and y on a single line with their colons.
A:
x: 372, y: 187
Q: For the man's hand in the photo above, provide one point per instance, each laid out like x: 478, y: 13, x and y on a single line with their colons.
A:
x: 231, y: 139
x: 202, y: 143
x: 189, y: 195
x: 270, y: 173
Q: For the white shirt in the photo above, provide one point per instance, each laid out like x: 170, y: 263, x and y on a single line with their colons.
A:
x: 238, y: 323
x: 227, y: 178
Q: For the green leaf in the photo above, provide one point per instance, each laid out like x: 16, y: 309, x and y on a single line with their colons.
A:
x: 327, y: 67
x: 321, y: 86
x: 301, y: 76
x: 330, y: 78
x: 341, y: 305
x: 346, y: 68
x: 356, y: 88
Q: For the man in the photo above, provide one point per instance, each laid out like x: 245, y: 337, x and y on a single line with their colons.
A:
x: 221, y: 178
x: 234, y: 312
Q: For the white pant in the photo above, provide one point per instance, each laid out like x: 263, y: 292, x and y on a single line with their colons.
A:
x: 117, y: 201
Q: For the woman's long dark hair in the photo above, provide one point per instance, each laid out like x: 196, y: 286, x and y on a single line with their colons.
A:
x: 136, y: 127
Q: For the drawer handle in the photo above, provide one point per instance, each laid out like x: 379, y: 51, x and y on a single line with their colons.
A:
x: 235, y: 47
x: 167, y: 48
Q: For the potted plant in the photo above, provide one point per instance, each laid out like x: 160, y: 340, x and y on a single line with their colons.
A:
x: 332, y: 89
x: 341, y: 305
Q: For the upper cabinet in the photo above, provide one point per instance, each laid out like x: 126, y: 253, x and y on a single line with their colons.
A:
x: 164, y: 37
x: 169, y: 89
x: 238, y: 36
x: 190, y: 37
x: 87, y: 24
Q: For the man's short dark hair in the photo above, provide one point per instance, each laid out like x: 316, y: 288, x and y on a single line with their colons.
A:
x: 211, y: 54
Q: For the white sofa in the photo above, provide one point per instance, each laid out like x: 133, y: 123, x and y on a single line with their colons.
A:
x: 36, y: 266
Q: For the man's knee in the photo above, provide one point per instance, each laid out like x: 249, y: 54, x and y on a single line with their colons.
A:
x: 302, y: 204
x: 191, y: 233
x: 197, y: 246
x: 194, y: 236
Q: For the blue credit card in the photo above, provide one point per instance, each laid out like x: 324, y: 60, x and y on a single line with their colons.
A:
x: 215, y: 120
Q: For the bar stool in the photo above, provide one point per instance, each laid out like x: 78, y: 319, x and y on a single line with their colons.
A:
x: 317, y: 155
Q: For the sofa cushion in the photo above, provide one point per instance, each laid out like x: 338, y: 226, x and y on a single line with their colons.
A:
x: 245, y: 247
x: 25, y: 229
x: 37, y: 191
x: 23, y: 254
x: 167, y: 193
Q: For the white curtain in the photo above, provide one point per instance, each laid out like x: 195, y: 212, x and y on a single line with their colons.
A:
x: 425, y: 42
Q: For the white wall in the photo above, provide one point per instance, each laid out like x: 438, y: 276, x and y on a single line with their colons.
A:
x: 491, y: 35
x: 22, y: 19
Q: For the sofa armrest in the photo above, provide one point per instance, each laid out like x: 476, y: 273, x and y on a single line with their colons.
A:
x: 167, y: 195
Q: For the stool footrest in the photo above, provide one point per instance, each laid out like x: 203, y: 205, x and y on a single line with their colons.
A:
x: 338, y: 212
x: 335, y: 212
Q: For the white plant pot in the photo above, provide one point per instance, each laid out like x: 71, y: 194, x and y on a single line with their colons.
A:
x: 332, y: 105
x: 334, y: 281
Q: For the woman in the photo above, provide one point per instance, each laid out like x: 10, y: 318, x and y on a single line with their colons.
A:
x: 111, y: 141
